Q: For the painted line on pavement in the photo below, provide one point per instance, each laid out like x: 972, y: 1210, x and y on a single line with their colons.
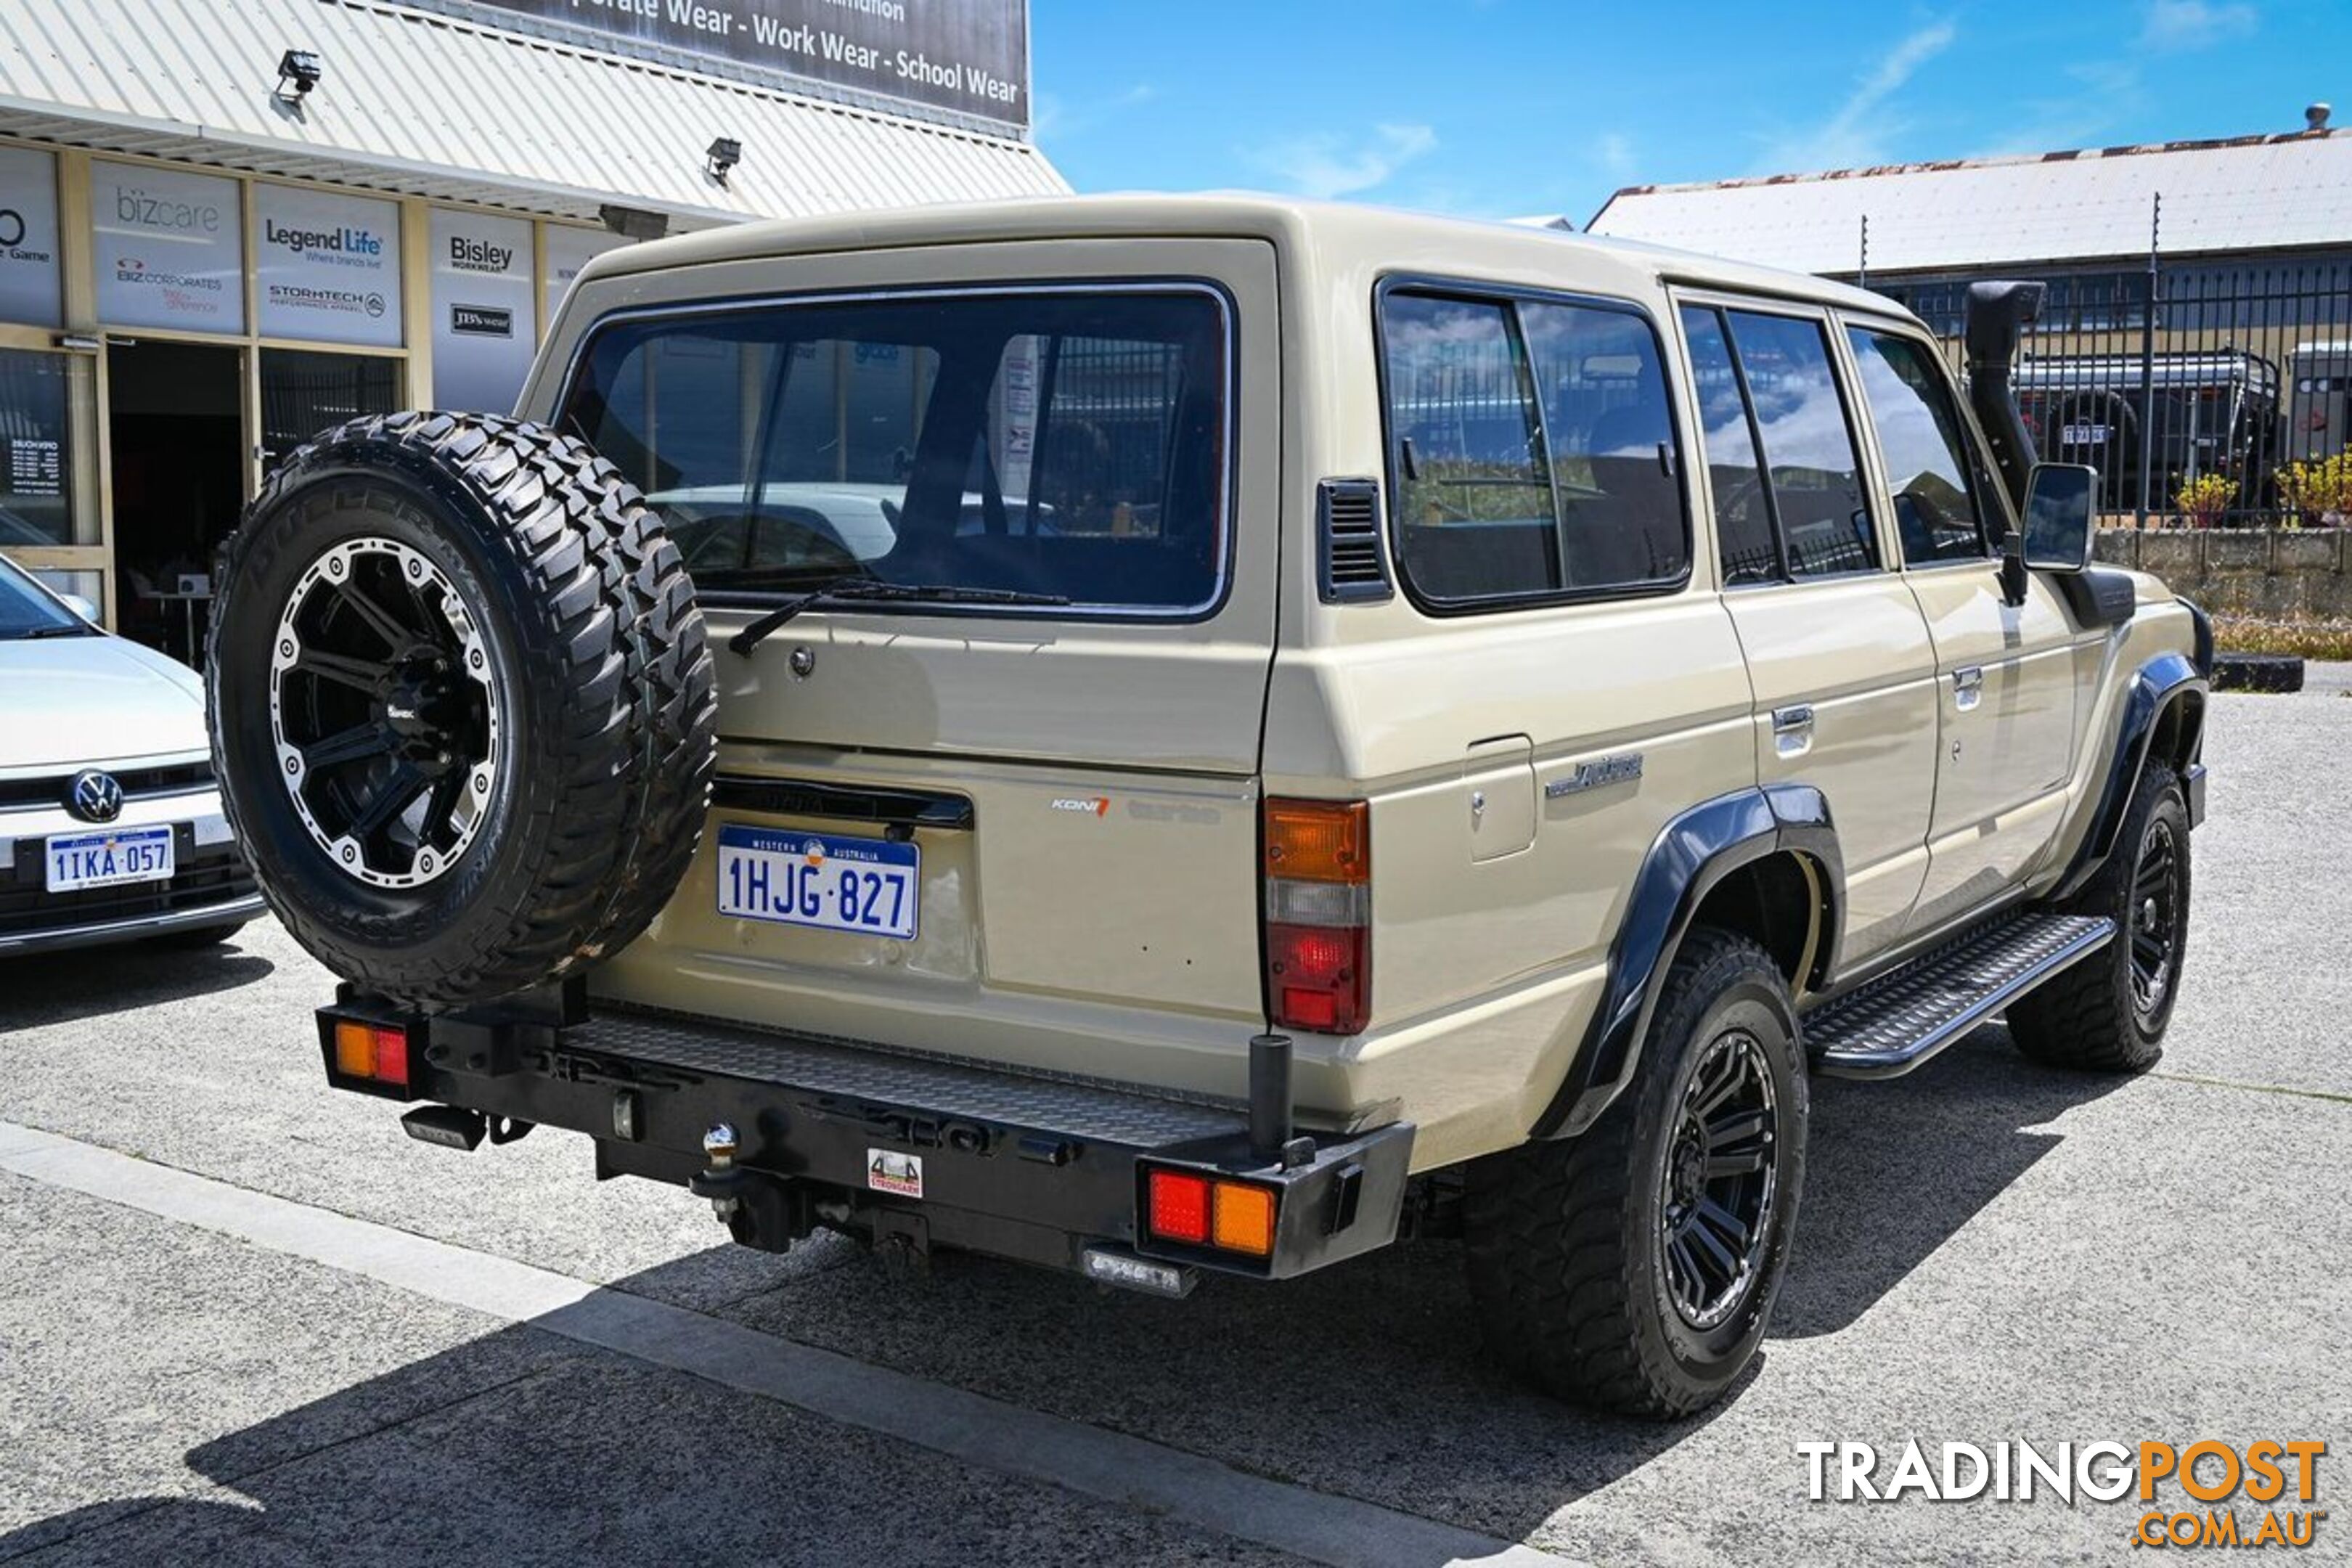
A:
x: 1131, y: 1472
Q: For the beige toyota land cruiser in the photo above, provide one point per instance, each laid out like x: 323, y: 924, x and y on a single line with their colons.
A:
x: 1171, y: 737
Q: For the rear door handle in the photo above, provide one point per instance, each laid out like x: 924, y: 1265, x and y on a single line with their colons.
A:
x: 1793, y: 729
x: 1968, y: 686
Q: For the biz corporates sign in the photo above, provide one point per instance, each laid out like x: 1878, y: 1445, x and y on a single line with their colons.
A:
x: 330, y: 266
x: 170, y: 249
x: 969, y: 56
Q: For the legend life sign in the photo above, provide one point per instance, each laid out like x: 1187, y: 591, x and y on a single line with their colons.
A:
x: 971, y: 56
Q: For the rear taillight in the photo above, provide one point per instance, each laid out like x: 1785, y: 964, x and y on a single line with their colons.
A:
x: 374, y: 1055
x: 1194, y: 1210
x: 1318, y: 913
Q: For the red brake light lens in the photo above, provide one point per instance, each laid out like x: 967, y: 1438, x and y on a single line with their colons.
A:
x: 1317, y: 914
x: 1180, y: 1206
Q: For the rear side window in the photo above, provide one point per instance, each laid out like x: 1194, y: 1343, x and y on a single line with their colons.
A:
x: 1531, y: 449
x: 1787, y: 475
x: 1066, y: 447
x: 1743, y: 506
x: 1938, y: 490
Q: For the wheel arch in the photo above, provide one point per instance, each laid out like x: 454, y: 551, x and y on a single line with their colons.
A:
x: 1764, y: 861
x: 2164, y: 719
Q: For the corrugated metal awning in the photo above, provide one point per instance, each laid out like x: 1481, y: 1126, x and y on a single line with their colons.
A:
x: 2262, y: 192
x: 430, y: 106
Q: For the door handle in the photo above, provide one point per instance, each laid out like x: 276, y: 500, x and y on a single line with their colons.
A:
x: 1793, y: 729
x: 1967, y: 688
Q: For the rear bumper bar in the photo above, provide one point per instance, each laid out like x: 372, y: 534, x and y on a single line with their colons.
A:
x: 915, y: 1148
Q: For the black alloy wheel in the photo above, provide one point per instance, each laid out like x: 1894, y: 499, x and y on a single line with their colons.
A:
x: 383, y: 712
x: 1718, y: 1181
x: 2153, y: 921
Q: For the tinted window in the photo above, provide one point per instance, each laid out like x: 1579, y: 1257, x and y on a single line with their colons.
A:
x: 1743, y: 516
x: 1532, y: 448
x: 1808, y: 447
x: 1056, y: 444
x: 27, y: 612
x: 1939, y: 491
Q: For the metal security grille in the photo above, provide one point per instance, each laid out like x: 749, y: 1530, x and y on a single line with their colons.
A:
x: 2194, y: 387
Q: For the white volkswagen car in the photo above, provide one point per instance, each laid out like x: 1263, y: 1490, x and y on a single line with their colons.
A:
x: 110, y: 826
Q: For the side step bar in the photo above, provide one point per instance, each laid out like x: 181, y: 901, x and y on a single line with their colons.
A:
x: 1894, y: 1023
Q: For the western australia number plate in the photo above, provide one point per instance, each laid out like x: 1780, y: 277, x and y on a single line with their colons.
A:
x: 870, y: 886
x: 109, y: 857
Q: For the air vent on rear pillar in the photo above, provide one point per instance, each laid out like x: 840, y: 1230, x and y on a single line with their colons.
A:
x: 1353, y: 564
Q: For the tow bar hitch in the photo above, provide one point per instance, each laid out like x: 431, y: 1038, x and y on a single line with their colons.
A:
x: 762, y: 1211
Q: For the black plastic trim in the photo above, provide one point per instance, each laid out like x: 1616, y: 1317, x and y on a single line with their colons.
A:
x: 2201, y: 630
x: 1332, y: 591
x: 2098, y: 597
x: 846, y: 802
x: 2167, y: 678
x: 1691, y: 854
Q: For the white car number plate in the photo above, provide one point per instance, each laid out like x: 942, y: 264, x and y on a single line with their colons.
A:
x: 2083, y: 436
x: 109, y: 857
x: 870, y: 886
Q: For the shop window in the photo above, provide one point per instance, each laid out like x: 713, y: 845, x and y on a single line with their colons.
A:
x: 35, y: 449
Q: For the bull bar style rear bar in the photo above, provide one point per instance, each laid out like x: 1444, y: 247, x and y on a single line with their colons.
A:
x: 908, y: 1148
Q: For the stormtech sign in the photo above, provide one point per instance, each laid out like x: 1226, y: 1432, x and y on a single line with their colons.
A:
x: 969, y: 56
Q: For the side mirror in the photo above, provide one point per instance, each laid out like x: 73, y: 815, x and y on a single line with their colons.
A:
x: 80, y: 606
x: 2062, y: 511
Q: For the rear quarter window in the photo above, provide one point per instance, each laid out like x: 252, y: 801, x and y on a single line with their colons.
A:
x: 1532, y: 452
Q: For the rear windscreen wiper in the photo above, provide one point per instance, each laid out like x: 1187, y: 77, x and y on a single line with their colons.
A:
x: 868, y: 590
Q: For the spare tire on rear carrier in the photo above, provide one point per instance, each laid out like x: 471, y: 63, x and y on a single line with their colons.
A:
x: 462, y: 708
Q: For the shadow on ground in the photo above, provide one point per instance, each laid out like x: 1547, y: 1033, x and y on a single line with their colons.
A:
x: 1366, y: 1380
x: 93, y: 982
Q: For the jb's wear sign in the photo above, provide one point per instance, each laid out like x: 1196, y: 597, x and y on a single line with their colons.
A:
x: 970, y: 56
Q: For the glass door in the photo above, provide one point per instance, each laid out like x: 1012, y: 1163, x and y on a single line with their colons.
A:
x: 303, y: 393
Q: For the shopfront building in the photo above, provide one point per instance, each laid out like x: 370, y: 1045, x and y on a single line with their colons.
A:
x: 203, y: 261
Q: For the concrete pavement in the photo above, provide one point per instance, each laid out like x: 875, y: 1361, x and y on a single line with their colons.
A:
x: 1988, y: 1250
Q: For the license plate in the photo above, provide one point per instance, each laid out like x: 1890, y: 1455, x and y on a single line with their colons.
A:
x: 109, y: 858
x: 870, y: 886
x: 2083, y: 436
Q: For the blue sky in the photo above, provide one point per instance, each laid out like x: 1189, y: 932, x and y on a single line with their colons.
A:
x: 1512, y: 107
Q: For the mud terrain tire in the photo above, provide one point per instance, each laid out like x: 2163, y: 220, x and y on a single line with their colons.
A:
x: 1582, y: 1252
x: 463, y: 711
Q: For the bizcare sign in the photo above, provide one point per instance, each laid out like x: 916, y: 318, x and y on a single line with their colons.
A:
x: 330, y: 266
x: 969, y: 56
x: 170, y: 249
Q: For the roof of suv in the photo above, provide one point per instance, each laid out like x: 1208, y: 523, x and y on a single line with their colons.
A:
x: 1337, y: 232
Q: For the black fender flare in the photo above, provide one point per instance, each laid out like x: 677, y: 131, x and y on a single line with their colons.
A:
x: 1692, y: 854
x: 2167, y: 680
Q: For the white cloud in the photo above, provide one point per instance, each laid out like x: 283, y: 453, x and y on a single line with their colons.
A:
x: 1326, y: 167
x: 1860, y: 131
x: 2193, y: 24
x: 1052, y: 117
x: 1614, y: 153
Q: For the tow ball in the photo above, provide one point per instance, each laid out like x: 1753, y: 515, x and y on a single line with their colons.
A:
x: 762, y: 1211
